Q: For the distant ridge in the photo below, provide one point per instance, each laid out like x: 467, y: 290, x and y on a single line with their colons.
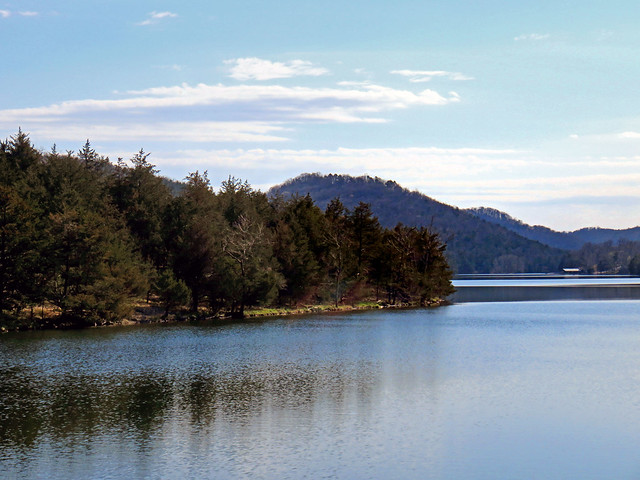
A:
x: 473, y: 244
x: 564, y: 240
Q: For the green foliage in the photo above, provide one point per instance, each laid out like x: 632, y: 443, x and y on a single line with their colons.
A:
x: 173, y: 292
x: 194, y: 240
x: 17, y: 250
x: 83, y: 239
x: 299, y: 247
x: 366, y: 236
x: 143, y: 198
x: 61, y: 242
x: 412, y: 266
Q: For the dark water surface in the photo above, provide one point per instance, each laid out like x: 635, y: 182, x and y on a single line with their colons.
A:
x: 499, y: 288
x: 547, y: 390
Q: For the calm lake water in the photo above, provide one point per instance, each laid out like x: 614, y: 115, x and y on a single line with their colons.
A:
x: 478, y: 390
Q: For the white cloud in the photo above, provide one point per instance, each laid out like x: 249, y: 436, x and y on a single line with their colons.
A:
x: 532, y: 37
x: 612, y: 142
x: 191, y: 131
x: 272, y: 101
x: 629, y: 135
x: 350, y: 83
x: 419, y: 76
x: 258, y: 69
x: 155, y: 17
x: 8, y: 13
x: 215, y: 113
x: 410, y: 166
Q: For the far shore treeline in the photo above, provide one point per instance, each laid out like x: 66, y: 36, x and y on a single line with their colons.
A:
x: 83, y: 239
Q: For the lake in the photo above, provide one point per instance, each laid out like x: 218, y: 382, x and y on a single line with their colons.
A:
x: 481, y: 389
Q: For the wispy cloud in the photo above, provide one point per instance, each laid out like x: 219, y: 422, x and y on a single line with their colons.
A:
x: 413, y: 161
x: 418, y: 76
x: 240, y: 113
x: 607, y: 138
x: 8, y: 13
x: 531, y: 37
x: 285, y: 103
x: 350, y: 83
x: 175, y: 67
x: 155, y: 17
x: 164, y: 131
x: 259, y: 69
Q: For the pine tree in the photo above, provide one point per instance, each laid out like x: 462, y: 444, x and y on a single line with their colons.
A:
x: 298, y: 246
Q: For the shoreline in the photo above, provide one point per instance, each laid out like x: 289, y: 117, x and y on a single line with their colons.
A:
x: 269, y: 312
x: 152, y: 314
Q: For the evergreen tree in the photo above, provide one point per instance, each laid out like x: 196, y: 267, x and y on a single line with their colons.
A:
x: 90, y: 158
x: 20, y: 155
x: 143, y: 198
x: 298, y: 246
x: 413, y: 265
x: 366, y: 232
x: 16, y: 247
x: 172, y: 291
x: 196, y: 241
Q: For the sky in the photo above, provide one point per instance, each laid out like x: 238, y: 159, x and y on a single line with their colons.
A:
x: 532, y: 108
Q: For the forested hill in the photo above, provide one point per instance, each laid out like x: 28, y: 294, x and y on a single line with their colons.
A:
x: 565, y: 240
x: 473, y: 244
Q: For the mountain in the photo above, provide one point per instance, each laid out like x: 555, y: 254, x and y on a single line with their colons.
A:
x: 539, y: 233
x: 474, y: 245
x: 564, y: 240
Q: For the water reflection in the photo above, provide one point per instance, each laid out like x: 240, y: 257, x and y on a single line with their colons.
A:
x: 476, y: 390
x: 40, y: 403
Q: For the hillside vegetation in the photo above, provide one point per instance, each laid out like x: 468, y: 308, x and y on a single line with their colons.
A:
x: 473, y: 244
x: 564, y: 240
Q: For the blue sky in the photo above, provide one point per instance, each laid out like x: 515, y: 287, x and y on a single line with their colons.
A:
x: 530, y: 108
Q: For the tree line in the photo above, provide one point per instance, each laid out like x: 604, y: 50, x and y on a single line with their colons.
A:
x: 612, y: 258
x: 83, y: 239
